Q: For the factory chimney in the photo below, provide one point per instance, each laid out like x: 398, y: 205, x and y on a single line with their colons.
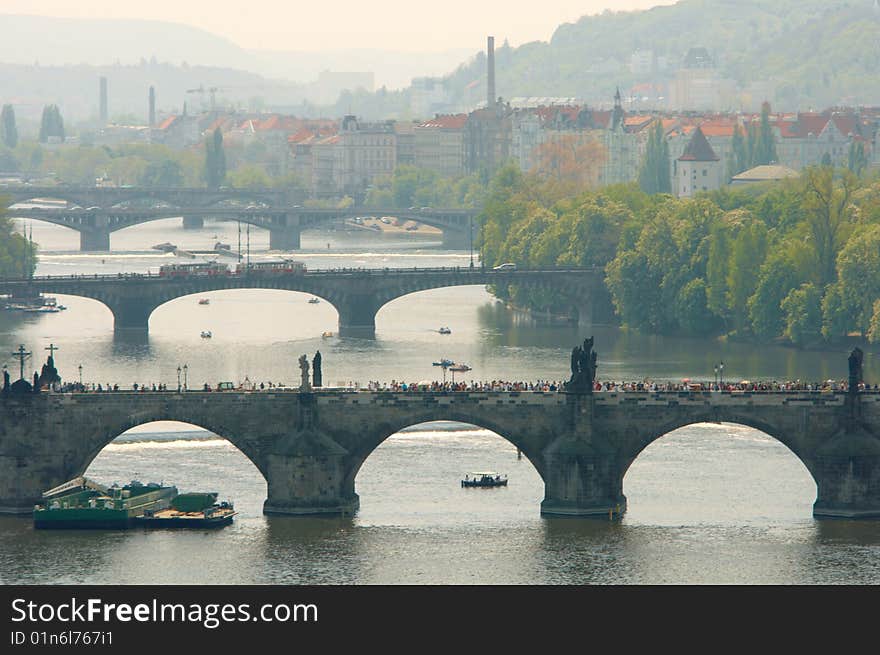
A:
x: 152, y: 118
x: 490, y: 65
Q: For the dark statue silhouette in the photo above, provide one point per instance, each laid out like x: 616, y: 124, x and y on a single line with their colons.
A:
x: 583, y: 368
x: 855, y: 368
x: 317, y: 377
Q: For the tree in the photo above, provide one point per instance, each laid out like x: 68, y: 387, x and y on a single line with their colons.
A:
x: 18, y: 256
x: 747, y: 253
x: 570, y: 158
x: 162, y: 173
x: 8, y: 129
x: 765, y: 147
x: 827, y: 207
x: 215, y: 160
x: 654, y: 173
x: 777, y: 277
x: 51, y: 124
x: 803, y: 315
x: 858, y: 161
x: 249, y: 176
x: 739, y: 152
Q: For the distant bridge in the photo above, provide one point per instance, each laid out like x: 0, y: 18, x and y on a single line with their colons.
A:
x: 357, y: 294
x: 309, y: 446
x: 95, y: 212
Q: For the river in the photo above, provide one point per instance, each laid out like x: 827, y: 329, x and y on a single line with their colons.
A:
x: 706, y: 503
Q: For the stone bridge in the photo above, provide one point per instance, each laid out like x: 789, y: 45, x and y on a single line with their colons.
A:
x: 310, y: 446
x: 357, y: 294
x: 95, y: 212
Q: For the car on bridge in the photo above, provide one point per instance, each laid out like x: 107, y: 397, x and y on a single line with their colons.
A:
x: 507, y: 266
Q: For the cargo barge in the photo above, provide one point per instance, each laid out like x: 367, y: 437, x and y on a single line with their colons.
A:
x: 190, y: 510
x: 83, y: 504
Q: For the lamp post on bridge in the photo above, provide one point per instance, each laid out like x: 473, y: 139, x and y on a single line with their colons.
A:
x: 471, y: 237
x: 185, y: 369
x: 721, y: 372
x: 178, y: 379
x: 716, y: 376
x: 80, y: 367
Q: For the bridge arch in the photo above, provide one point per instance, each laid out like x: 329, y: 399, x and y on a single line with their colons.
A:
x: 730, y: 453
x: 468, y: 422
x: 108, y: 433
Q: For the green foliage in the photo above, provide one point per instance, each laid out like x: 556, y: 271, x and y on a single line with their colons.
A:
x: 654, y: 173
x: 803, y: 315
x: 249, y: 176
x: 419, y: 187
x: 8, y: 129
x: 215, y: 160
x: 18, y: 257
x: 51, y: 124
x: 754, y: 262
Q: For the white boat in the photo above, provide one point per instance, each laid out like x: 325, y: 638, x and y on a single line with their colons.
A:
x: 204, y: 301
x: 444, y: 330
x: 460, y: 368
x: 206, y: 334
x: 313, y: 301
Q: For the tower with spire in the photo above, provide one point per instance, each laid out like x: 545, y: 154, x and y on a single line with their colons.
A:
x: 698, y: 168
x: 618, y: 114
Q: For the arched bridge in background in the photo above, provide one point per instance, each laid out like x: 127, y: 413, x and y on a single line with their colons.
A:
x: 357, y: 294
x: 96, y: 212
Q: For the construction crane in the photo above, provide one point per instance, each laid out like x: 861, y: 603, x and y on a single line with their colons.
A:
x: 211, y: 90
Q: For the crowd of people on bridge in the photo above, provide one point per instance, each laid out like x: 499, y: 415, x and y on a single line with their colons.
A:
x: 543, y: 386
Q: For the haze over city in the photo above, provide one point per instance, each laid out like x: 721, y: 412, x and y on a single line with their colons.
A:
x: 385, y: 25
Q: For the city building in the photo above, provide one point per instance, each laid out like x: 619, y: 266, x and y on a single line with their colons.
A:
x: 697, y: 169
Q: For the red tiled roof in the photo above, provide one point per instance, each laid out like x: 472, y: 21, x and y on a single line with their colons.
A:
x: 446, y: 122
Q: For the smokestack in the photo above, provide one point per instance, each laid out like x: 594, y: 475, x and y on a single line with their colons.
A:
x: 152, y: 107
x: 490, y: 65
x: 103, y: 101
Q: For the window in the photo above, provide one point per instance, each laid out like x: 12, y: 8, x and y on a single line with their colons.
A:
x: 704, y: 172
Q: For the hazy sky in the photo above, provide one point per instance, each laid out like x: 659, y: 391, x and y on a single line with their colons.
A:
x: 381, y: 24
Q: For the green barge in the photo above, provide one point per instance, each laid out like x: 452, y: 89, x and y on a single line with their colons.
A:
x: 83, y: 503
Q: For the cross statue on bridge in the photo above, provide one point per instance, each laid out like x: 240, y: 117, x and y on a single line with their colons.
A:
x: 22, y: 356
x: 52, y: 348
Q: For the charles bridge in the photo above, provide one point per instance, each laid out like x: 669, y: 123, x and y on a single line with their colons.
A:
x: 95, y: 212
x: 309, y: 445
x: 357, y: 294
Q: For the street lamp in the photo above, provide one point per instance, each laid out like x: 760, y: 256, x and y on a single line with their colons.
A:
x: 471, y: 236
x: 716, y: 375
x: 721, y: 372
x: 185, y: 369
x: 178, y: 379
x: 80, y: 374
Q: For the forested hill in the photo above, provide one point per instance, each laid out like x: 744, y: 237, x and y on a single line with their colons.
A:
x: 811, y: 53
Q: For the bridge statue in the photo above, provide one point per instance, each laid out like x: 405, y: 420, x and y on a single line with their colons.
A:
x: 855, y: 369
x: 49, y: 374
x: 5, y: 381
x: 317, y: 377
x: 583, y: 368
x: 304, y: 371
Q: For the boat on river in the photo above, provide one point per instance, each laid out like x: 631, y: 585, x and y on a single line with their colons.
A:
x: 460, y: 368
x: 445, y: 363
x: 83, y: 503
x: 444, y: 330
x: 484, y: 479
x: 206, y: 334
x: 190, y: 510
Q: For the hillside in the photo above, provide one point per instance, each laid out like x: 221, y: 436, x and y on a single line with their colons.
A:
x: 802, y: 53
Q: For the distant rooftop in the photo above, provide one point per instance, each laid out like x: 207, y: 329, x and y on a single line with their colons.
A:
x: 766, y: 173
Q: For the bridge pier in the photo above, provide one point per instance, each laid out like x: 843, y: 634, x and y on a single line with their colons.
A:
x: 94, y: 241
x: 131, y: 314
x: 455, y: 240
x: 582, y: 476
x: 193, y: 222
x: 307, y: 472
x: 847, y: 474
x: 287, y: 238
x: 357, y: 316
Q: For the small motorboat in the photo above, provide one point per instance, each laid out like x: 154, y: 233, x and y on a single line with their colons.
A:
x: 445, y: 363
x: 444, y: 330
x: 326, y: 335
x: 484, y: 479
x: 206, y: 334
x: 460, y: 368
x: 165, y: 247
x: 204, y: 301
x: 313, y: 301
